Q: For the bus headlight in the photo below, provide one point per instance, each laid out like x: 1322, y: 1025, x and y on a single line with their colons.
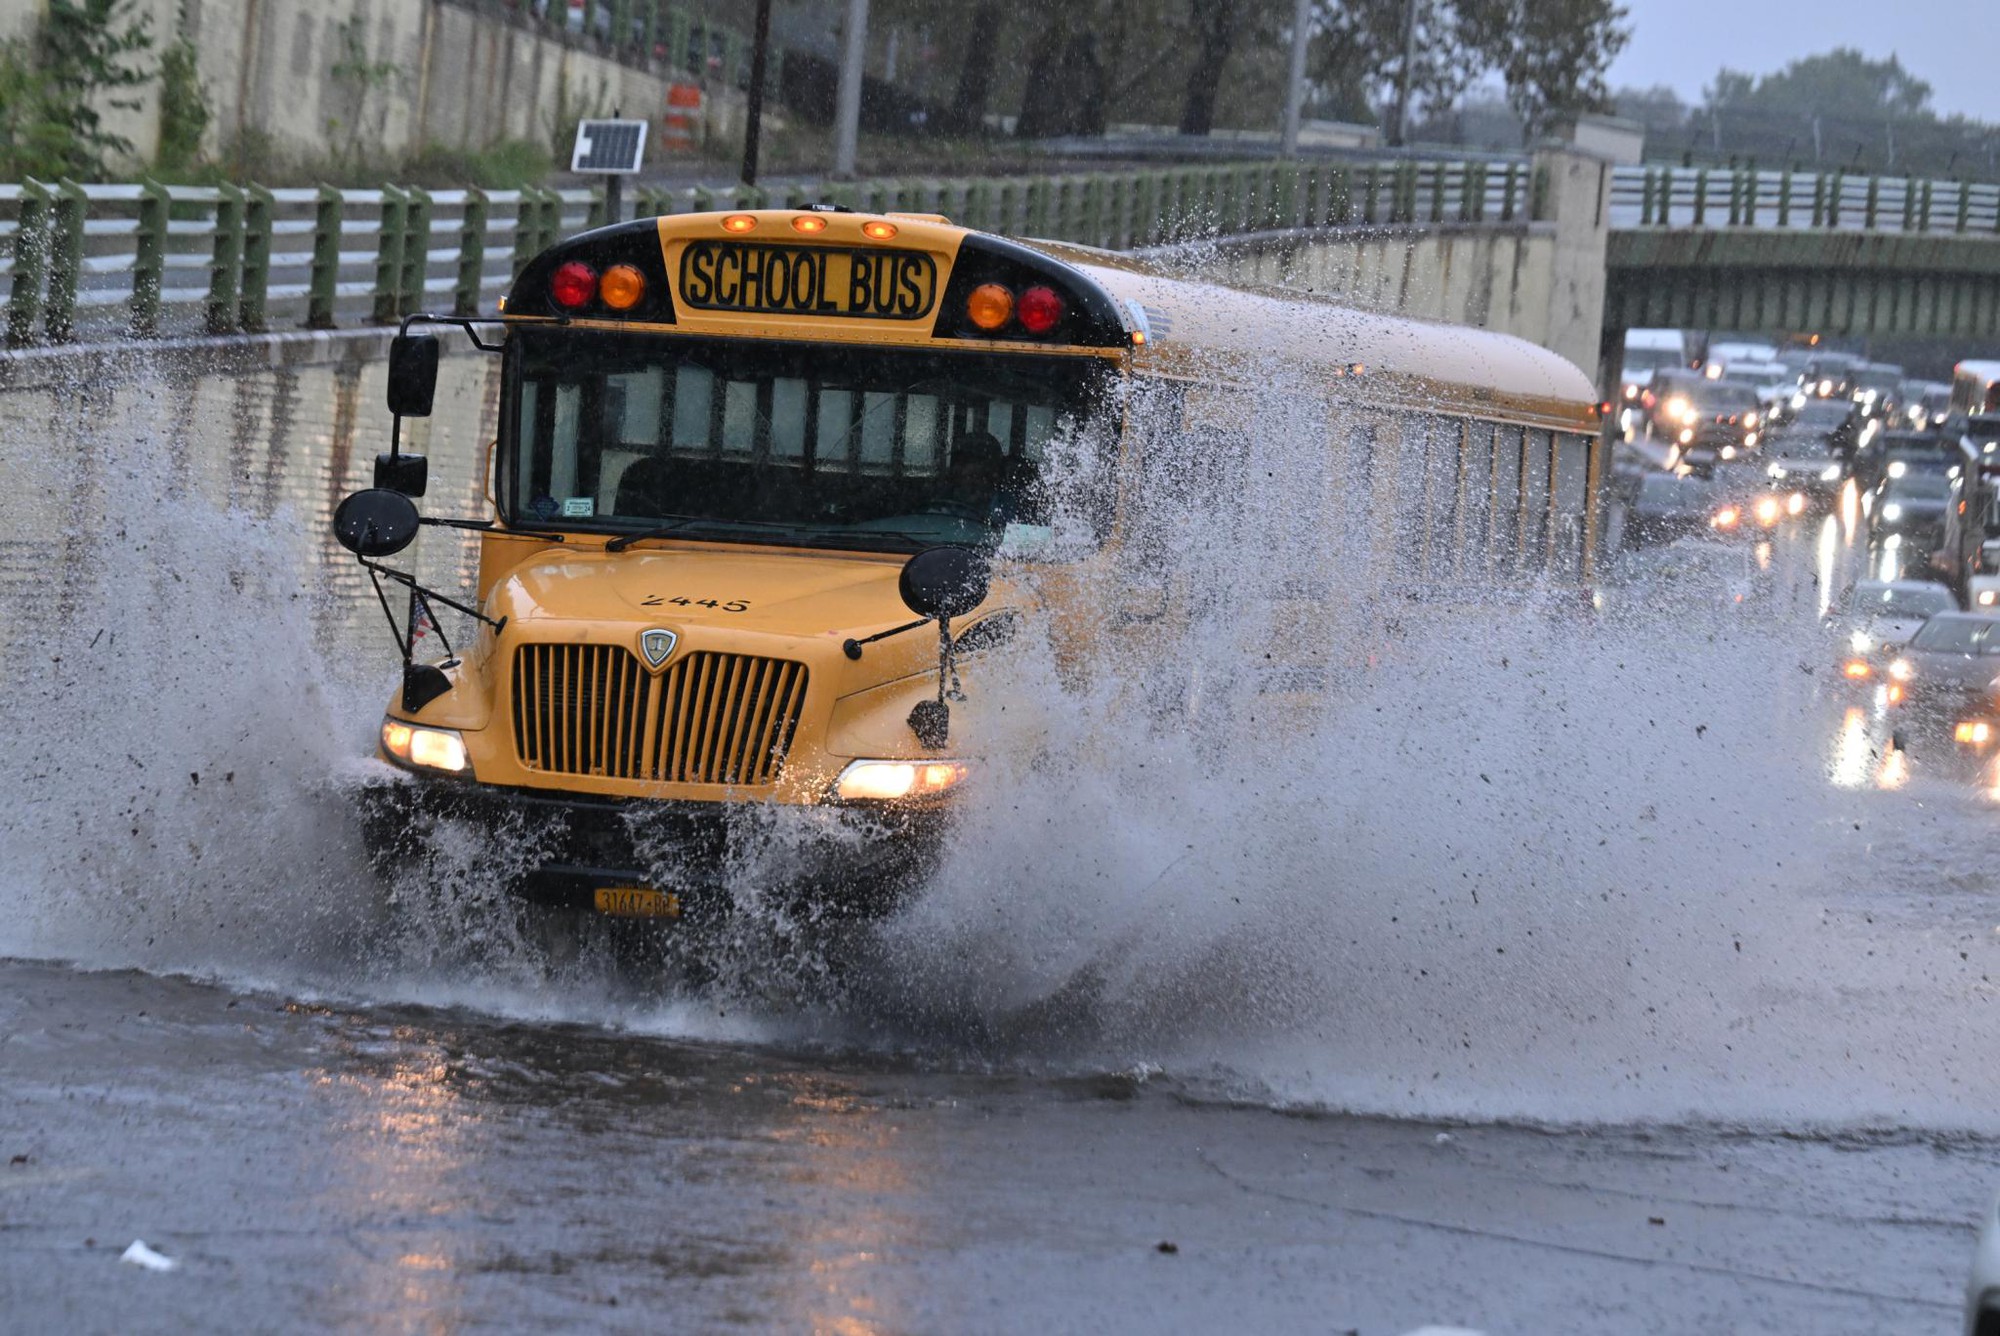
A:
x: 897, y: 781
x: 422, y: 748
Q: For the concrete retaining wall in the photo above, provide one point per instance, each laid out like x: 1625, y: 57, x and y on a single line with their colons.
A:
x: 169, y: 454
x: 379, y: 78
x: 1543, y: 281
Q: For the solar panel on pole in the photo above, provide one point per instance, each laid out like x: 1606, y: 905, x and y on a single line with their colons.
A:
x: 609, y: 147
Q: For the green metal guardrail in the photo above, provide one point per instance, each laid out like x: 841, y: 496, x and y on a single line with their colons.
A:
x: 1706, y: 197
x: 135, y: 261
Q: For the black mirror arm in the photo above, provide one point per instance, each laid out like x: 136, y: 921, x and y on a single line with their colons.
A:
x: 852, y: 648
x: 410, y: 581
x: 459, y: 322
x: 486, y: 526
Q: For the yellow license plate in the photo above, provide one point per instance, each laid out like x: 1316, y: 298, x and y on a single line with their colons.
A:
x: 637, y: 902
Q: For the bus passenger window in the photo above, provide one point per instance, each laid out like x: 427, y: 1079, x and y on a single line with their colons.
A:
x: 1441, y: 499
x: 694, y: 390
x: 921, y: 424
x: 562, y: 459
x: 788, y: 418
x: 1572, y: 501
x: 1535, y: 502
x: 1506, y: 499
x: 878, y: 432
x: 1474, y: 511
x: 835, y: 452
x: 739, y: 418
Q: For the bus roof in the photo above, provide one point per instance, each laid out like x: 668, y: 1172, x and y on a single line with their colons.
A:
x: 1430, y: 365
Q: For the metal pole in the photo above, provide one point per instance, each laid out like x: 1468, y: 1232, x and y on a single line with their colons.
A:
x: 1404, y: 76
x: 1295, y: 87
x: 753, y: 125
x: 847, y: 112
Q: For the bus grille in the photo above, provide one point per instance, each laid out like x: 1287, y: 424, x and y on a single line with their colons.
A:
x: 708, y: 719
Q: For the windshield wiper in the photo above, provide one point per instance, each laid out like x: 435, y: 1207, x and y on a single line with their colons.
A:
x: 680, y: 524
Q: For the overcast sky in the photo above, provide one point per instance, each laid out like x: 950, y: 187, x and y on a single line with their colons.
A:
x: 1681, y: 43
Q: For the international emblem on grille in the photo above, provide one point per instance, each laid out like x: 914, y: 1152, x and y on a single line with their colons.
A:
x: 658, y: 646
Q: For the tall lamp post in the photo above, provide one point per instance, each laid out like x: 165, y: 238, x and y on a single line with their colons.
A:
x: 1295, y: 86
x: 753, y: 123
x: 847, y: 111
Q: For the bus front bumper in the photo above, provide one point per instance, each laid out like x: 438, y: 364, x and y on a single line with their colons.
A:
x: 561, y: 849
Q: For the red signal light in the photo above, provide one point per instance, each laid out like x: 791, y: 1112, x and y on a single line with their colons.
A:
x: 1038, y: 310
x: 573, y: 284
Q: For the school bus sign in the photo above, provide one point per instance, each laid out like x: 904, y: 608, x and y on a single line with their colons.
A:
x: 761, y: 278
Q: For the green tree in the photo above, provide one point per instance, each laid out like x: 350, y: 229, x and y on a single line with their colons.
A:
x: 1551, y: 53
x: 1356, y: 58
x: 1842, y: 82
x: 91, y: 54
x: 184, y: 109
x: 1217, y: 30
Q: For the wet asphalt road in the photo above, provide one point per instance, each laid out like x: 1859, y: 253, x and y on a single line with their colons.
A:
x: 404, y: 1169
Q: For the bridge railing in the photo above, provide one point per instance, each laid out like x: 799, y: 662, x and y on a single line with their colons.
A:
x: 143, y: 260
x: 1660, y: 196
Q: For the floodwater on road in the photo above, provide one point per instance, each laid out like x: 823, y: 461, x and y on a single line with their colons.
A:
x: 406, y: 1168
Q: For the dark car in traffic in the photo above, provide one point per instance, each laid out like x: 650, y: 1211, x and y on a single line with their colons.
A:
x: 1701, y: 420
x: 1944, y: 678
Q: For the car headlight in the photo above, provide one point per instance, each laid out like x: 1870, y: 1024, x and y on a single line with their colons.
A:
x: 1749, y: 419
x: 1897, y: 468
x: 1977, y: 732
x: 1726, y: 517
x: 1831, y: 473
x: 1901, y: 670
x: 1687, y: 436
x: 424, y: 748
x: 1776, y: 470
x: 1988, y: 597
x: 1795, y: 504
x: 1825, y: 388
x: 1892, y: 512
x: 1768, y: 510
x: 1750, y: 440
x: 897, y: 781
x: 1861, y: 642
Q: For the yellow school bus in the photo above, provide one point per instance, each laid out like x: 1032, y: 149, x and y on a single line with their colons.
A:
x: 763, y: 479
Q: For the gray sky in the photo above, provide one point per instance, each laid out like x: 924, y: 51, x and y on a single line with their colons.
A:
x: 1681, y: 43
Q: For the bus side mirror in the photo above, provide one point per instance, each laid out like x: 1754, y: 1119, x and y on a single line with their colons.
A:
x: 944, y: 582
x: 413, y: 374
x: 408, y: 474
x: 375, y: 523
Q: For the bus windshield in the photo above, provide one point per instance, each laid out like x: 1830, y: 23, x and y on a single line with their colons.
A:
x: 822, y: 444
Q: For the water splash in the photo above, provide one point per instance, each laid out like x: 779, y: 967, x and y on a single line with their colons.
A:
x: 1336, y: 837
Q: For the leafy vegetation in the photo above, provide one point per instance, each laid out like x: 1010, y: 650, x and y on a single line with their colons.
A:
x: 1838, y: 109
x: 85, y: 57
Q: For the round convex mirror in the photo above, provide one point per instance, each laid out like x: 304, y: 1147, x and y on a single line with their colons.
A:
x: 375, y: 522
x: 944, y: 582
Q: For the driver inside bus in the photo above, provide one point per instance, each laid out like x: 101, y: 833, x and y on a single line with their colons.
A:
x: 972, y: 481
